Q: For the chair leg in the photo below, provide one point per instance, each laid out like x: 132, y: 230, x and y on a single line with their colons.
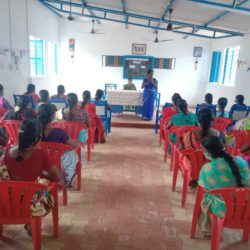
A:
x: 65, y: 196
x: 55, y: 214
x: 196, y: 212
x: 175, y: 175
x: 186, y: 179
x: 89, y: 149
x: 36, y: 223
x: 245, y: 235
x: 1, y: 231
x: 79, y: 175
x: 217, y: 226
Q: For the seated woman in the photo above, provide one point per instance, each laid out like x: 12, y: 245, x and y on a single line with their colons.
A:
x: 46, y: 116
x: 222, y: 103
x: 99, y: 95
x: 73, y: 113
x: 183, y: 116
x: 31, y: 89
x: 193, y: 138
x: 208, y: 104
x: 26, y: 162
x: 129, y: 85
x: 4, y: 104
x: 90, y: 107
x: 222, y: 171
x: 168, y: 112
x: 60, y: 93
x: 239, y: 103
x: 22, y: 111
x: 44, y: 98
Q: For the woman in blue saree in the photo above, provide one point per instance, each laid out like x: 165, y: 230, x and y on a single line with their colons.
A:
x: 149, y: 85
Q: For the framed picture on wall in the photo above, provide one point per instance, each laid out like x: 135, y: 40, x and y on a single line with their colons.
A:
x: 197, y: 52
x: 139, y: 49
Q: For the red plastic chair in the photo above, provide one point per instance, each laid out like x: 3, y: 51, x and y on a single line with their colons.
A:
x: 2, y: 112
x: 73, y: 130
x: 161, y: 130
x: 241, y: 137
x: 12, y: 127
x: 221, y: 123
x: 190, y: 163
x: 96, y: 126
x: 55, y: 151
x: 237, y: 213
x: 15, y: 200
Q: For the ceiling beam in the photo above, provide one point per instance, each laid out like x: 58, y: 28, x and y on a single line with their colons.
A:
x: 124, y: 11
x: 168, y: 7
x: 224, y: 13
x: 84, y: 3
x: 51, y: 9
x: 137, y: 19
x: 233, y: 7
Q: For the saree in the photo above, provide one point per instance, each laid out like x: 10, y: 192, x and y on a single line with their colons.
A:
x: 214, y: 175
x: 149, y: 98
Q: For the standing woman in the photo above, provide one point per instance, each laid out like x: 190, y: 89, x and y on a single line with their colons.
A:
x: 150, y: 86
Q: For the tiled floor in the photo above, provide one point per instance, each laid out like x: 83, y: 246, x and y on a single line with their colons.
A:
x: 125, y: 204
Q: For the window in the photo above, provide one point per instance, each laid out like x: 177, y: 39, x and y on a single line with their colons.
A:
x: 230, y: 66
x: 36, y: 57
x: 52, y: 58
x: 215, y: 67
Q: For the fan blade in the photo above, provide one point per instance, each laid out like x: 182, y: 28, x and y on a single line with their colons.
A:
x: 182, y: 27
x: 166, y: 40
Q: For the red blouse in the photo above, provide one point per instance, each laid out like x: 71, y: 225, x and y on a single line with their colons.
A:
x: 167, y: 113
x: 29, y: 169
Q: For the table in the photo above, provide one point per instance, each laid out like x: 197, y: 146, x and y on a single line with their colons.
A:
x: 125, y: 97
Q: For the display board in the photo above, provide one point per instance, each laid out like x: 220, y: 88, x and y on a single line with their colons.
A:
x: 137, y: 66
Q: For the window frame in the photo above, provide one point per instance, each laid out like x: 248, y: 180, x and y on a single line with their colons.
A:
x: 36, y: 59
x: 52, y: 64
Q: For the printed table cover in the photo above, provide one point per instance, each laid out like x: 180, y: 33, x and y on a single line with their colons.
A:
x: 125, y: 97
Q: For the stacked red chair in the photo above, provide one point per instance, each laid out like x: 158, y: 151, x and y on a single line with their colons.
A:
x: 15, y: 201
x: 237, y: 213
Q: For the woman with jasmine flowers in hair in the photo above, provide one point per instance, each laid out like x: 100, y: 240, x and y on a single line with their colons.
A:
x: 222, y: 171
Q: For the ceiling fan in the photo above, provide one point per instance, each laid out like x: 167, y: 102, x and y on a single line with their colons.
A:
x: 170, y: 24
x: 160, y: 41
x: 70, y: 16
x: 94, y: 31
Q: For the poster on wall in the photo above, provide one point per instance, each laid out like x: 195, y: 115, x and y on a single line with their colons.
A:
x: 137, y: 66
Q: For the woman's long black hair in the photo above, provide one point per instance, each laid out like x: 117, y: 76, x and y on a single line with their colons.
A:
x: 72, y: 101
x: 60, y: 90
x: 222, y: 103
x: 240, y: 99
x: 99, y: 94
x: 86, y: 97
x: 44, y: 95
x: 46, y: 114
x: 29, y: 135
x: 176, y: 98
x: 22, y: 104
x: 205, y: 119
x: 182, y: 106
x: 31, y: 88
x: 215, y: 147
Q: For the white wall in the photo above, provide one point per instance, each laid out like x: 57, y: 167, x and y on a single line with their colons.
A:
x: 87, y: 72
x: 242, y: 80
x: 27, y: 17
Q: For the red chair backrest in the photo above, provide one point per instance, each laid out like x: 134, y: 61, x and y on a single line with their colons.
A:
x: 180, y: 130
x: 221, y: 123
x: 241, y: 137
x: 194, y: 159
x: 15, y: 199
x: 12, y: 127
x: 55, y: 151
x: 2, y: 112
x: 72, y: 129
x: 237, y: 202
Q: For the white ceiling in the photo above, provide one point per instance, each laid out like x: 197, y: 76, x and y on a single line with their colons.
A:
x: 183, y: 11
